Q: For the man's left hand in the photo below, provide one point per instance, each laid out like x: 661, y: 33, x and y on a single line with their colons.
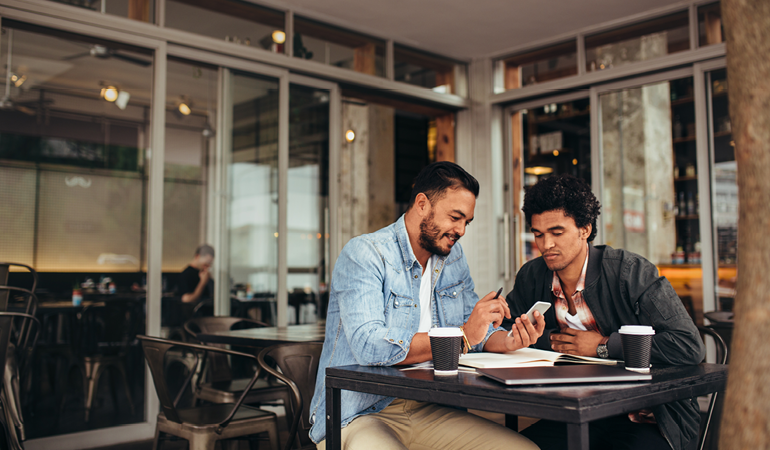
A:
x: 576, y: 342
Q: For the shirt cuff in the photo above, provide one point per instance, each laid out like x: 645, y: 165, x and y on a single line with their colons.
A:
x: 615, y: 347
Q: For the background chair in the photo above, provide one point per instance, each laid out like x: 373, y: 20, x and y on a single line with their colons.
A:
x: 710, y: 434
x: 11, y: 352
x: 102, y: 343
x: 203, y: 426
x: 298, y: 364
x: 217, y: 382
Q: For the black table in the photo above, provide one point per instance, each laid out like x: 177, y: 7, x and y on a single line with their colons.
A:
x: 577, y: 405
x: 265, y: 337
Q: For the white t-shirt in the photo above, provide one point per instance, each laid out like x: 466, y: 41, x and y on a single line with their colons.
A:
x: 426, y: 296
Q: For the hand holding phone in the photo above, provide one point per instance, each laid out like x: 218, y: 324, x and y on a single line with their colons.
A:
x: 541, y: 307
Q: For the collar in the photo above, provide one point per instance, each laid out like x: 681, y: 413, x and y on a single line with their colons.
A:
x: 581, y: 283
x: 406, y: 246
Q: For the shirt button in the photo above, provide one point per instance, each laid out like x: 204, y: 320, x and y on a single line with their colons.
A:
x: 396, y: 303
x: 400, y: 341
x: 391, y: 340
x: 415, y: 306
x: 415, y: 277
x: 454, y: 293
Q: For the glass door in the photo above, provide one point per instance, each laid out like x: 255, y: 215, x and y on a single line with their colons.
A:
x: 650, y: 195
x: 547, y: 137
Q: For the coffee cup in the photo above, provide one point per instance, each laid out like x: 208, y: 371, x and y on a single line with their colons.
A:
x: 637, y: 343
x: 445, y: 345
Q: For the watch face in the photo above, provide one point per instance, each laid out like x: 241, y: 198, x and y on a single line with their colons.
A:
x: 602, y: 351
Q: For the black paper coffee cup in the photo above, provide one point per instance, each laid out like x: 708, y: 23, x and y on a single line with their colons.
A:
x: 445, y: 345
x: 637, y: 343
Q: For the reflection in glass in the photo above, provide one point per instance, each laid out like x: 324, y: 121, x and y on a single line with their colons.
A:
x: 253, y: 203
x: 638, y: 42
x: 555, y: 139
x: 725, y: 208
x: 426, y: 70
x: 337, y: 47
x: 541, y: 65
x: 235, y: 21
x: 308, y: 202
x: 650, y: 199
x: 73, y: 194
x: 142, y: 10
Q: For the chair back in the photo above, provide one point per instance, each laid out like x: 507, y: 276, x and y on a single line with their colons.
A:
x: 5, y: 268
x: 10, y: 338
x: 218, y: 365
x: 22, y: 336
x: 155, y: 351
x: 298, y: 364
x: 714, y: 413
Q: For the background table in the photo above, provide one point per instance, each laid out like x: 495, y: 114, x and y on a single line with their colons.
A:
x: 265, y: 337
x: 577, y: 405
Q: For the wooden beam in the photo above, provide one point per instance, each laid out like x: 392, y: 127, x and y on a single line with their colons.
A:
x: 139, y: 10
x: 364, y: 59
x: 445, y: 138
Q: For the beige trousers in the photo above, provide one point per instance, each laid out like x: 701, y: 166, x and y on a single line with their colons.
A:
x: 407, y: 424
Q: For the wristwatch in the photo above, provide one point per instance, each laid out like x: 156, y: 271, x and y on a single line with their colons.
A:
x: 601, y: 350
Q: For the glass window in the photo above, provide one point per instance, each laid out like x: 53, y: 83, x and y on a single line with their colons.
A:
x: 551, y: 140
x: 540, y: 65
x: 142, y: 10
x: 73, y: 133
x: 308, y: 204
x: 710, y: 30
x: 725, y: 208
x: 235, y: 21
x: 253, y: 201
x: 426, y: 70
x: 650, y: 199
x: 639, y: 42
x: 342, y: 48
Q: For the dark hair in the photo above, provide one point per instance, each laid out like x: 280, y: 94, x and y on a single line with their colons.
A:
x: 205, y: 250
x: 567, y: 193
x: 436, y: 178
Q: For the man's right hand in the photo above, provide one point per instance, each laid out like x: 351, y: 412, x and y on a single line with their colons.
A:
x: 488, y: 310
x: 204, y: 274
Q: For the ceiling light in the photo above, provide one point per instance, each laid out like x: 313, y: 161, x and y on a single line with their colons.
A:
x: 279, y: 37
x: 122, y: 100
x: 184, y: 108
x: 109, y: 93
x: 18, y: 80
x: 350, y: 135
x: 555, y: 153
x: 538, y: 170
x: 574, y: 162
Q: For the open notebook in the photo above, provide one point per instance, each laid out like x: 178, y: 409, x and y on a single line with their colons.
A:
x: 528, y: 357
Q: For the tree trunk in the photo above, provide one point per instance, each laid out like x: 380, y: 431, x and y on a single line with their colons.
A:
x: 746, y: 418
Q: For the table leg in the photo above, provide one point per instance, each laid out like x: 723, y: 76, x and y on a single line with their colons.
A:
x: 512, y: 422
x: 333, y: 419
x: 577, y: 436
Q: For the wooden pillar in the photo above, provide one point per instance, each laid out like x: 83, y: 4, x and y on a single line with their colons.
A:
x: 713, y: 25
x: 447, y: 78
x: 445, y: 138
x: 364, y: 59
x: 512, y: 77
x: 139, y: 10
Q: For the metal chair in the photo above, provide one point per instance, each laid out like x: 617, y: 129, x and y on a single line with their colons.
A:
x: 298, y: 364
x: 714, y: 413
x: 217, y: 384
x: 11, y: 352
x: 203, y: 426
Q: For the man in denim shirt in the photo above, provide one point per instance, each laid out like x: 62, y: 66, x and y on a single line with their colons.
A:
x: 388, y: 289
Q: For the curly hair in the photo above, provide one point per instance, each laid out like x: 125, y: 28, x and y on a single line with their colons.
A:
x: 567, y: 193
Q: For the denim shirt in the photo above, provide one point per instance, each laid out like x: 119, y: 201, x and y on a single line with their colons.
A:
x: 374, y: 311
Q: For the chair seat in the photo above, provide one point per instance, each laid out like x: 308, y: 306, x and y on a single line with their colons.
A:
x: 229, y: 391
x: 205, y: 416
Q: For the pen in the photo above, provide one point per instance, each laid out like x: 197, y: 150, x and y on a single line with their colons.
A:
x: 499, y: 291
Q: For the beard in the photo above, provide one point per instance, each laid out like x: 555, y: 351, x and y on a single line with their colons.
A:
x: 430, y: 235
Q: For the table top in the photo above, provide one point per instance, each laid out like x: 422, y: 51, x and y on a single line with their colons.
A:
x: 574, y: 403
x: 265, y: 337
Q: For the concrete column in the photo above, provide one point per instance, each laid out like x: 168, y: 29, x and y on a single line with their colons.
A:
x: 382, y: 168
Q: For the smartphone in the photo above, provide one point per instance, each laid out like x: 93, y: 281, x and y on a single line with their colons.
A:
x: 539, y: 306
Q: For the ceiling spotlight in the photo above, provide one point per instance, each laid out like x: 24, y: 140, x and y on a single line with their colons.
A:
x: 350, y: 135
x: 109, y: 93
x: 279, y: 37
x: 574, y: 162
x: 184, y: 108
x: 18, y: 80
x: 122, y: 100
x: 555, y: 153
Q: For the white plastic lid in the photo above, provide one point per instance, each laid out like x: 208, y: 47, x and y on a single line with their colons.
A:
x: 445, y: 332
x: 636, y: 329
